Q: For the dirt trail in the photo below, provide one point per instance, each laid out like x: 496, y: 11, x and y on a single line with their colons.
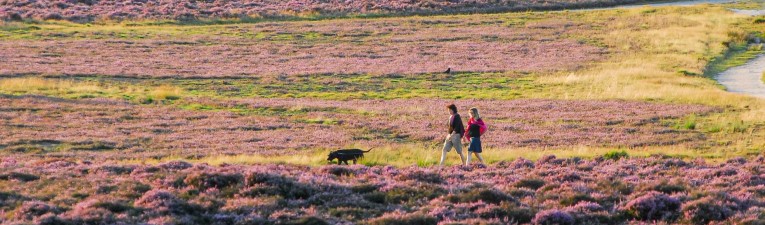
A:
x: 745, y: 79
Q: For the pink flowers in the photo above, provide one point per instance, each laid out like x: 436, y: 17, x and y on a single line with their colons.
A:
x: 385, y: 195
x: 88, y: 10
x: 653, y: 206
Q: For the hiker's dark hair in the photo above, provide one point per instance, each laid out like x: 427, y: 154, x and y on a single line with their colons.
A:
x: 452, y: 107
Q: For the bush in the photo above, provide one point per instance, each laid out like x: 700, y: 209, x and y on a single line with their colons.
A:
x: 376, y: 197
x: 337, y: 170
x: 175, y: 165
x: 616, y: 155
x: 530, y: 183
x: 33, y: 209
x: 574, y: 199
x: 162, y: 202
x: 705, y: 210
x: 422, y: 176
x: 653, y: 206
x: 116, y: 170
x: 204, y: 181
x: 23, y: 177
x: 408, y: 194
x: 483, y: 194
x: 553, y: 216
x: 412, y: 219
x: 307, y: 221
x: 667, y: 188
x: 507, y: 211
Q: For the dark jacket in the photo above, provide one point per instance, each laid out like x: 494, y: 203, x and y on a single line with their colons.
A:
x: 474, y: 131
x: 455, y: 125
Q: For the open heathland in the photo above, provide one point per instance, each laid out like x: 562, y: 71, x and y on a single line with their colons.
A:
x: 278, y: 126
x: 223, y: 112
x: 90, y: 10
x: 549, y: 191
x: 389, y: 46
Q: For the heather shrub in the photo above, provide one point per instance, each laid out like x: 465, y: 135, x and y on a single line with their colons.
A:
x: 352, y: 213
x: 481, y: 194
x: 376, y: 197
x: 406, y: 194
x: 553, y: 217
x: 364, y: 188
x: 397, y: 218
x: 421, y: 176
x: 590, y: 213
x: 530, y: 183
x: 311, y: 220
x: 23, y: 177
x: 337, y: 170
x: 117, y: 170
x: 521, y: 192
x: 653, y: 206
x: 507, y: 212
x: 204, y: 180
x: 668, y: 188
x: 471, y: 222
x: 89, y: 216
x: 576, y: 198
x: 705, y: 210
x: 518, y: 163
x: 549, y: 159
x: 175, y: 165
x: 9, y: 199
x: 32, y: 209
x: 162, y: 202
x: 132, y: 189
x: 260, y: 183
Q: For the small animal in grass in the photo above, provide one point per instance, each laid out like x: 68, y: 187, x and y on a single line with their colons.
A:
x: 343, y: 155
x: 448, y: 71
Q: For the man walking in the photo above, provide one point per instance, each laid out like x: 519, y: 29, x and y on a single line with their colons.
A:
x: 454, y: 137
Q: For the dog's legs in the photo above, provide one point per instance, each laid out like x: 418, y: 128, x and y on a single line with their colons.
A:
x: 469, y: 157
x: 354, y: 161
x: 339, y: 161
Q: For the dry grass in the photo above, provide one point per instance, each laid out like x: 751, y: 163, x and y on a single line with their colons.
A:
x: 429, y: 155
x: 84, y: 88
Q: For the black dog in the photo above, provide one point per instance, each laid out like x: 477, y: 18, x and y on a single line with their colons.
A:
x: 343, y: 155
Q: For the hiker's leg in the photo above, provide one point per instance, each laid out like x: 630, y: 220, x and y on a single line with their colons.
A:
x: 447, y: 147
x: 480, y: 159
x: 456, y: 139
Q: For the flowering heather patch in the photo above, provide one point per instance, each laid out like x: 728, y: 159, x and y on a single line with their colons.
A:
x: 608, y: 192
x: 534, y: 123
x: 88, y: 10
x: 286, y: 49
x: 280, y: 126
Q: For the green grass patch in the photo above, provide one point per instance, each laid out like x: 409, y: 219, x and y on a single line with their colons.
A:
x: 737, y: 54
x: 616, y: 155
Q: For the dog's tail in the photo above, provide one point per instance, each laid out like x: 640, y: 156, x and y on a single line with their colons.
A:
x: 368, y: 150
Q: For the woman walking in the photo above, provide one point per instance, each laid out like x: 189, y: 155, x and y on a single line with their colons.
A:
x: 476, y: 127
x: 454, y: 137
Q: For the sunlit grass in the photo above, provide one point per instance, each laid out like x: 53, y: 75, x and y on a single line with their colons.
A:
x: 421, y: 155
x: 655, y: 54
x: 87, y: 88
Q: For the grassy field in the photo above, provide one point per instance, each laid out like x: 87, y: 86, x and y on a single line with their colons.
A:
x: 658, y: 55
x: 595, y: 117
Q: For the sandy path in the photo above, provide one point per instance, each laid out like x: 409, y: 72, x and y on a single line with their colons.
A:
x: 745, y: 79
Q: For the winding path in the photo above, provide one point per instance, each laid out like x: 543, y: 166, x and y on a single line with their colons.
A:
x: 745, y: 79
